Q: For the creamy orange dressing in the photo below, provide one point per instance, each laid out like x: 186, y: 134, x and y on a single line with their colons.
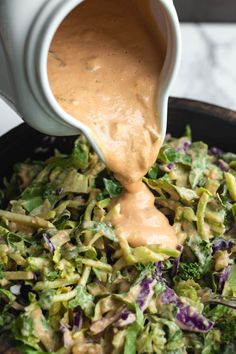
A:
x: 140, y: 222
x: 104, y: 67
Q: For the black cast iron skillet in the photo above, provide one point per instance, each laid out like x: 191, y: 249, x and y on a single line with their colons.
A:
x: 214, y: 125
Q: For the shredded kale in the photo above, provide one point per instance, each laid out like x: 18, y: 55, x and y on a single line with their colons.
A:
x: 113, y: 188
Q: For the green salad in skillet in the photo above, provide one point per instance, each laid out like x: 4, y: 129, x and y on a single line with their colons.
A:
x: 69, y: 284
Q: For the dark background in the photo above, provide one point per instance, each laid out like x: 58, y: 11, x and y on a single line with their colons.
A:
x: 206, y: 10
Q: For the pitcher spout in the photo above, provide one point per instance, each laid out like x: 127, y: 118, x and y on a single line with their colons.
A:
x: 6, y: 84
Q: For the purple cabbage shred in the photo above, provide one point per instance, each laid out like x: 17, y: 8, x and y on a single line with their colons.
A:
x: 169, y: 297
x: 170, y: 166
x: 77, y: 319
x: 48, y: 243
x: 191, y: 320
x: 143, y: 299
x: 214, y: 151
x: 223, y: 245
x: 101, y: 324
x: 175, y: 267
x: 176, y: 262
x: 146, y: 289
x: 126, y: 318
x: 186, y: 145
x: 64, y: 326
x: 223, y: 277
x: 59, y: 191
x: 158, y: 272
x: 222, y: 165
x: 124, y: 315
x: 187, y: 317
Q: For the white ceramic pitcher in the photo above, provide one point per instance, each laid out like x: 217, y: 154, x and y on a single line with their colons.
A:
x: 26, y: 31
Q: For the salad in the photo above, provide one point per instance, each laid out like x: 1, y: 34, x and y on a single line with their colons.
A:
x: 70, y: 284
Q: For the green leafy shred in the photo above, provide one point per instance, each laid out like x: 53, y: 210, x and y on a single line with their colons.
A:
x: 84, y: 300
x: 113, y: 188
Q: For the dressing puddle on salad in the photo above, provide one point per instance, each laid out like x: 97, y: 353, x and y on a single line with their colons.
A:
x: 104, y: 67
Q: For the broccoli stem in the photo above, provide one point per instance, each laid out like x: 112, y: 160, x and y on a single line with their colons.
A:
x: 89, y: 210
x: 65, y: 296
x: 86, y: 272
x: 59, y: 283
x: 18, y: 259
x: 231, y: 185
x: 96, y: 264
x: 166, y: 251
x: 18, y: 275
x: 33, y: 221
x: 201, y: 210
x: 88, y: 217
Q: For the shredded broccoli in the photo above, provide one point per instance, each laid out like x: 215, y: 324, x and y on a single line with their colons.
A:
x: 190, y: 271
x: 227, y: 326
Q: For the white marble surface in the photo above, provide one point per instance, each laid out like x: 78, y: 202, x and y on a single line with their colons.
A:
x: 208, y: 69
